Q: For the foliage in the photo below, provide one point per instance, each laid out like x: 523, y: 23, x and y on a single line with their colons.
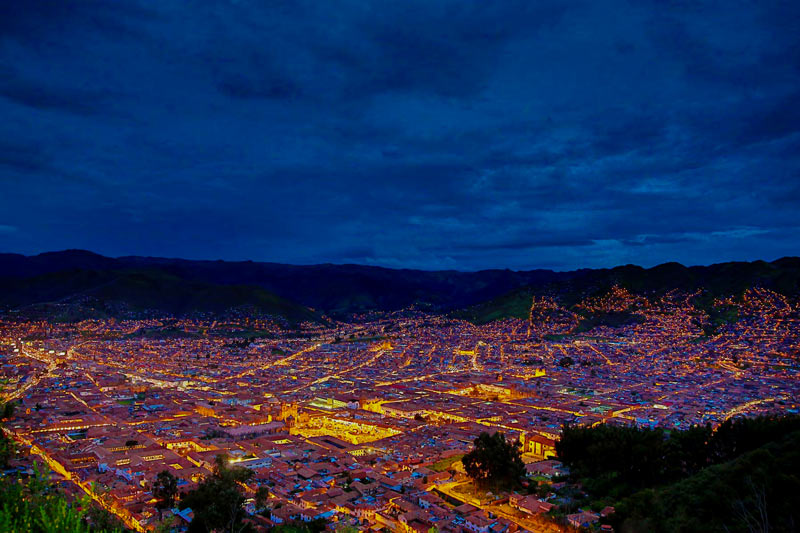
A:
x: 36, y: 506
x: 218, y: 502
x: 165, y: 489
x: 566, y: 361
x: 753, y: 493
x: 166, y: 525
x: 516, y: 304
x: 718, y: 315
x: 101, y: 520
x: 262, y: 495
x: 611, y: 458
x: 7, y: 410
x: 7, y: 450
x: 494, y: 462
x: 688, y: 478
x: 616, y: 460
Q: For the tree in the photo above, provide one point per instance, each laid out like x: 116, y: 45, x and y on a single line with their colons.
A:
x: 495, y: 462
x: 7, y: 451
x: 167, y: 525
x: 165, y: 489
x: 101, y: 520
x: 262, y: 495
x: 614, y: 459
x: 218, y: 502
x: 748, y: 494
x: 7, y: 410
x: 34, y: 505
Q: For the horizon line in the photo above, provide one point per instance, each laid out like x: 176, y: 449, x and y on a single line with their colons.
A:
x: 363, y: 265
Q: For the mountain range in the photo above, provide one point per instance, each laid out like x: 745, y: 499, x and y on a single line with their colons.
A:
x: 105, y: 286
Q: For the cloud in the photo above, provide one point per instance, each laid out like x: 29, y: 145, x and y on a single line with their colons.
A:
x: 519, y: 244
x: 41, y: 96
x: 20, y: 157
x: 426, y: 134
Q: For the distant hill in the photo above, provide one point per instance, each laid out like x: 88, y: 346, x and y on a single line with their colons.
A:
x: 334, y: 289
x: 182, y: 286
x: 719, y: 280
x: 83, y: 293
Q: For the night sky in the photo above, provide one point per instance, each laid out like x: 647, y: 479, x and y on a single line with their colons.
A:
x: 421, y: 134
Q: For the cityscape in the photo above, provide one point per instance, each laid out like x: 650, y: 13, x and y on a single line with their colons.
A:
x: 364, y: 423
x: 416, y: 266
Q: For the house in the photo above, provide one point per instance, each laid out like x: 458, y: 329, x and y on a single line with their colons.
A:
x: 477, y: 522
x: 582, y: 519
x: 548, y: 468
x: 529, y: 504
x: 607, y: 511
x: 284, y: 513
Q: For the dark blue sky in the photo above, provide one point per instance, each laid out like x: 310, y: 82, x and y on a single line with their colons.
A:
x: 424, y: 134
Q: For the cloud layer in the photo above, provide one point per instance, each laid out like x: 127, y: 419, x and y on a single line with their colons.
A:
x: 421, y: 134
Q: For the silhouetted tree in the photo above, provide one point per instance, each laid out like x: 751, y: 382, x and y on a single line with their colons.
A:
x: 262, y: 495
x: 165, y: 489
x: 218, y: 502
x: 7, y: 451
x: 617, y: 461
x: 34, y: 505
x: 495, y: 462
x: 8, y: 410
x: 566, y: 361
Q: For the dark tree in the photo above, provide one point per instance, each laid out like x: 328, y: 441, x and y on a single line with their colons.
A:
x: 218, y: 502
x: 165, y: 489
x: 566, y: 361
x: 615, y: 462
x: 7, y: 410
x: 621, y: 459
x: 262, y: 495
x: 7, y: 451
x: 103, y: 521
x: 495, y: 462
x: 34, y: 505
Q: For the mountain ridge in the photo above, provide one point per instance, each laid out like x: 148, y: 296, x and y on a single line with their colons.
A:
x: 341, y: 290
